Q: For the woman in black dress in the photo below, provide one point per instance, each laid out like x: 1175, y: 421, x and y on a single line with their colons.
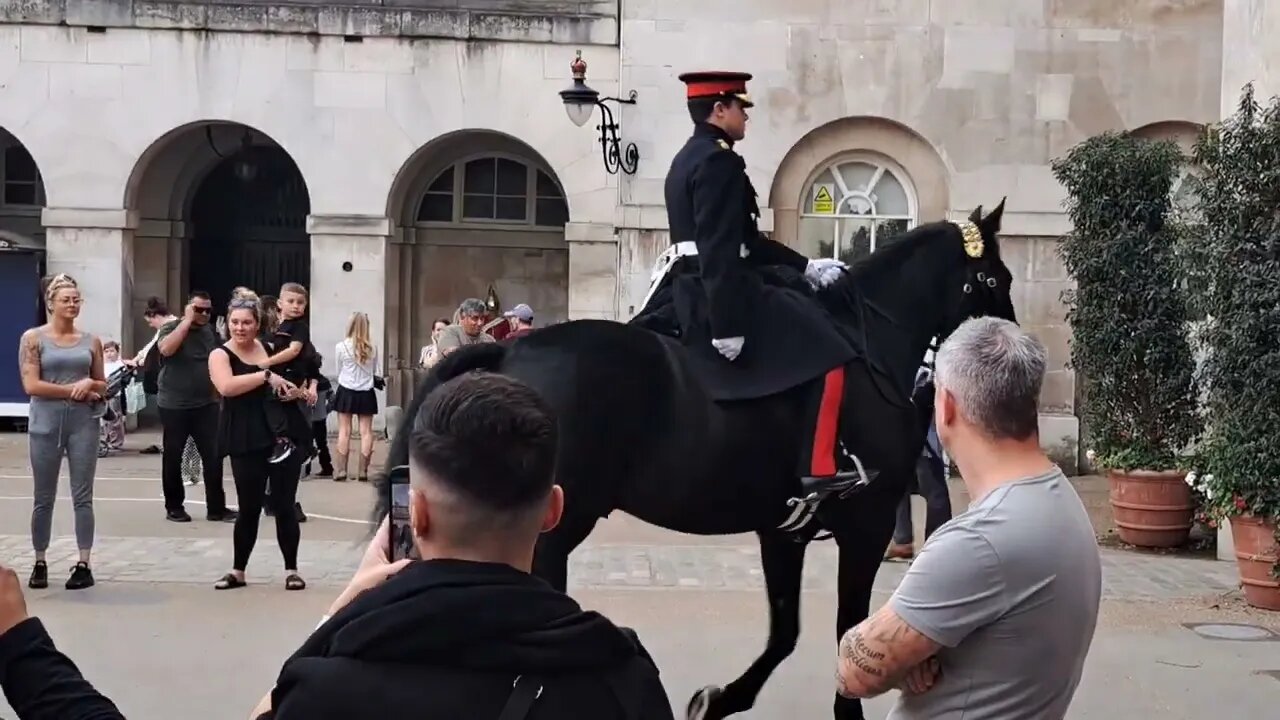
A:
x: 245, y: 436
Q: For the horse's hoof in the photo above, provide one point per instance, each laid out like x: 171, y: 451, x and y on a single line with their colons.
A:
x: 700, y: 703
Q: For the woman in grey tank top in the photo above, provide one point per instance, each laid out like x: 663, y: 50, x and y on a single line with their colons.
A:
x: 62, y: 371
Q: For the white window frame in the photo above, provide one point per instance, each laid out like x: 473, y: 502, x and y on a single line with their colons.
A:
x: 882, y: 164
x: 458, y: 168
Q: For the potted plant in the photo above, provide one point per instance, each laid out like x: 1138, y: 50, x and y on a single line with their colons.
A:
x: 1233, y: 267
x: 1129, y: 328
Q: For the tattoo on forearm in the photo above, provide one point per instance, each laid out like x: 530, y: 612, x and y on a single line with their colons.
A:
x: 862, y: 656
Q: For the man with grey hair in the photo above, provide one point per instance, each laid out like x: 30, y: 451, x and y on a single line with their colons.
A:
x: 996, y: 615
x: 468, y: 330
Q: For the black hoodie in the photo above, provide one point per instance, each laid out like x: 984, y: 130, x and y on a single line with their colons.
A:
x: 446, y: 640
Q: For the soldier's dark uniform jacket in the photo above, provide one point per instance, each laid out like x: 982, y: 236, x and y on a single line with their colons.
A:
x: 740, y: 283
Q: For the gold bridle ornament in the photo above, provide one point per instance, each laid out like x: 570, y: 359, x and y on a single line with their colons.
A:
x: 972, y: 239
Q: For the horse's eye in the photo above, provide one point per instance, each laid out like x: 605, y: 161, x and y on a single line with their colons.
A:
x: 968, y: 288
x: 991, y: 282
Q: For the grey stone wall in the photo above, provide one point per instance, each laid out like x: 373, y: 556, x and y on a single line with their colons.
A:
x: 583, y: 22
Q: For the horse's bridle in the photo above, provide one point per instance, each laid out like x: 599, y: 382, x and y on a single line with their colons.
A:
x: 980, y: 280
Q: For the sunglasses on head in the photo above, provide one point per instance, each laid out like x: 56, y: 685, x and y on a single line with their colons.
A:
x: 243, y: 305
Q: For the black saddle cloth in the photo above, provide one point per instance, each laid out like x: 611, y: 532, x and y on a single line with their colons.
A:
x: 792, y: 340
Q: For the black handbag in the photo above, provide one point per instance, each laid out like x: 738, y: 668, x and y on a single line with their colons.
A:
x: 379, y: 382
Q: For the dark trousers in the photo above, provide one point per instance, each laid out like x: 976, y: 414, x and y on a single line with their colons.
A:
x: 252, y: 472
x: 201, y: 425
x: 277, y: 421
x: 930, y: 484
x: 320, y: 432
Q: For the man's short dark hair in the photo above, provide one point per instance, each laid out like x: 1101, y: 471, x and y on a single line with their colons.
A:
x: 700, y: 108
x: 489, y: 438
x: 198, y: 295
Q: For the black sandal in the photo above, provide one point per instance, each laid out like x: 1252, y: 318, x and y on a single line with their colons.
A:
x: 229, y: 582
x: 294, y: 581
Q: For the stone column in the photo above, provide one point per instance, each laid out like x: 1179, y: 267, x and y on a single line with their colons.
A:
x: 1249, y: 50
x: 593, y: 271
x: 96, y: 248
x: 348, y: 274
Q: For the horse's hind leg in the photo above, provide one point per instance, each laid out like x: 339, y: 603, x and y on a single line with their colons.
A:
x: 551, y: 558
x: 783, y: 563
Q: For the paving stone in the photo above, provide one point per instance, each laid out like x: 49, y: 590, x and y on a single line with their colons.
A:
x: 155, y: 559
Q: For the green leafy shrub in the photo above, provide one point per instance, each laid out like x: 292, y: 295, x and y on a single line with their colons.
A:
x: 1128, y: 313
x: 1236, y: 258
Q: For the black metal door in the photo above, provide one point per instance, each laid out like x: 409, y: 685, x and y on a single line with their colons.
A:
x: 250, y: 217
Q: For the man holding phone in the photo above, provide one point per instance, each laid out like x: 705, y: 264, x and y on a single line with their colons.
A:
x: 467, y: 631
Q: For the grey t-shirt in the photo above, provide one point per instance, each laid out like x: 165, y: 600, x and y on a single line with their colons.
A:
x: 454, y: 337
x: 1010, y: 589
x: 184, y: 382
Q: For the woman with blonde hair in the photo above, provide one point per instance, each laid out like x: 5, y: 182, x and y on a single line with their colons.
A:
x: 357, y: 379
x: 63, y: 373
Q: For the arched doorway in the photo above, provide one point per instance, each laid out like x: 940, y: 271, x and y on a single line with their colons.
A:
x: 249, y: 218
x: 21, y: 190
x: 219, y: 204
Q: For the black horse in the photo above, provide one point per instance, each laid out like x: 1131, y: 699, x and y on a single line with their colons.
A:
x: 639, y: 434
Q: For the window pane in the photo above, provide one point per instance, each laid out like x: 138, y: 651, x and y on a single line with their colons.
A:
x: 855, y: 240
x: 436, y: 207
x: 512, y: 208
x: 890, y: 196
x: 857, y: 175
x: 479, y: 176
x: 443, y: 183
x: 856, y: 205
x: 889, y: 231
x: 816, y: 237
x: 823, y: 195
x: 18, y: 164
x: 513, y: 178
x: 551, y: 212
x: 547, y: 187
x: 20, y: 194
x: 477, y: 207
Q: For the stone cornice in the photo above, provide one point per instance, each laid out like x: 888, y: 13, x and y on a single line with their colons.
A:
x: 571, y: 22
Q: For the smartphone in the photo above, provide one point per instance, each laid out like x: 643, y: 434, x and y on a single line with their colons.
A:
x: 401, y: 533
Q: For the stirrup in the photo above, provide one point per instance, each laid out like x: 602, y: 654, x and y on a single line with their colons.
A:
x: 817, y: 487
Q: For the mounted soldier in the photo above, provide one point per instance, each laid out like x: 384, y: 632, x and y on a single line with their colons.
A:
x: 741, y: 302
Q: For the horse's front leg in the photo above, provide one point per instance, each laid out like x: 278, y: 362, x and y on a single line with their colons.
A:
x: 863, y: 531
x: 783, y: 562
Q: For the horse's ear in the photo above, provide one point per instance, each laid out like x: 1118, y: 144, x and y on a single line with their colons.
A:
x: 975, y: 217
x: 991, y: 223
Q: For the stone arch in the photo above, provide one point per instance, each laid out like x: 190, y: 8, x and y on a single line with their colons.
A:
x: 1182, y: 132
x: 924, y: 169
x: 216, y: 182
x: 464, y: 243
x: 22, y: 191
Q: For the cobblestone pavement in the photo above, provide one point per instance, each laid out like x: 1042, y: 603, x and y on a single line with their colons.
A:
x: 1126, y: 575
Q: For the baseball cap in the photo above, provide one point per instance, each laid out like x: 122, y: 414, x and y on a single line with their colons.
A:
x: 520, y: 312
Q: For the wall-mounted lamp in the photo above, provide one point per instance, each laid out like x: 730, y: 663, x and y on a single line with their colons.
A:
x: 580, y: 101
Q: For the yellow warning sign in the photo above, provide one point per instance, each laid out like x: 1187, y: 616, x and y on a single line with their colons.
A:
x: 823, y: 203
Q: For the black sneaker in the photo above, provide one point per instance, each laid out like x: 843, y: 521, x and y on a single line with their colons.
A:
x: 226, y: 515
x: 39, y: 576
x: 177, y: 516
x: 297, y: 511
x: 282, y: 450
x: 325, y: 472
x: 81, y: 577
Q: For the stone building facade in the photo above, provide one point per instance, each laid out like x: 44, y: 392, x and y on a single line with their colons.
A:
x: 398, y: 155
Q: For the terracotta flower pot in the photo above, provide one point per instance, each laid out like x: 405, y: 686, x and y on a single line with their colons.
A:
x: 1151, y: 509
x: 1256, y: 552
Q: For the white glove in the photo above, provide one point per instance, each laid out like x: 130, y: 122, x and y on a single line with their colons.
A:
x: 824, y: 271
x: 730, y: 348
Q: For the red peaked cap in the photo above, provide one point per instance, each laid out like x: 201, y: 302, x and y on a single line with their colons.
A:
x: 718, y: 83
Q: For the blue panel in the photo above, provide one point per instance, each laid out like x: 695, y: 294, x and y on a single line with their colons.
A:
x: 20, y: 298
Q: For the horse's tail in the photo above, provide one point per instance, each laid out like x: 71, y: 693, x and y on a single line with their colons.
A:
x: 485, y: 356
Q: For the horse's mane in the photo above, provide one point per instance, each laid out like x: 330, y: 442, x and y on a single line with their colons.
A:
x: 869, y: 272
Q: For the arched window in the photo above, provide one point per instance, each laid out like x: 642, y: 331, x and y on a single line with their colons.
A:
x: 854, y: 206
x: 20, y: 183
x: 494, y: 190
